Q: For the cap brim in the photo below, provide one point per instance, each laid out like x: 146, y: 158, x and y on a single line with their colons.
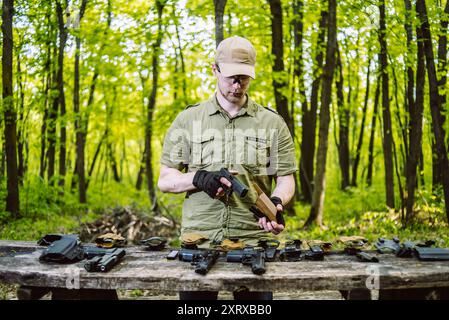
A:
x: 234, y: 69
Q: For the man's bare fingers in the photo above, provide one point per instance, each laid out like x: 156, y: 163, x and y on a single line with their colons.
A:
x: 225, y: 182
x: 264, y: 223
x: 220, y: 193
x: 279, y: 228
x: 269, y: 226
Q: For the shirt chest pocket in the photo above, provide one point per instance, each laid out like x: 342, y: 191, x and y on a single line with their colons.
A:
x: 206, y: 150
x: 257, y: 152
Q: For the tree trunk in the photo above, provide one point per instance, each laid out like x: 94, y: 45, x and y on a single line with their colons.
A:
x: 94, y: 159
x: 316, y: 211
x: 434, y: 99
x: 151, y: 107
x: 362, y: 128
x: 139, y: 180
x: 12, y: 197
x: 90, y: 100
x: 21, y: 132
x: 52, y: 117
x: 298, y: 71
x: 61, y: 95
x: 219, y: 12
x: 181, y: 58
x: 386, y: 116
x: 410, y: 87
x: 110, y: 150
x: 3, y: 154
x: 47, y: 80
x: 415, y: 133
x: 437, y: 165
x: 401, y: 127
x: 309, y: 117
x: 369, y: 176
x: 113, y: 161
x: 277, y: 49
x: 343, y: 117
x: 80, y: 156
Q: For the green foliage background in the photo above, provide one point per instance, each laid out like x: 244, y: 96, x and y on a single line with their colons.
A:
x: 122, y: 54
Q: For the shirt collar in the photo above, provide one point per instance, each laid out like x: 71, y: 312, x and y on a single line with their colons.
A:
x: 214, y: 107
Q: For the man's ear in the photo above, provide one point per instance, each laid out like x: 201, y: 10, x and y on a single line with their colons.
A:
x: 214, y: 69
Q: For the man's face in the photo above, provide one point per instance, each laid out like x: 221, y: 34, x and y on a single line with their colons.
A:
x: 232, y: 88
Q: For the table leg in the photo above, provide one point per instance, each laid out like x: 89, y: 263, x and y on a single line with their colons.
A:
x: 83, y: 294
x: 35, y: 293
x: 31, y: 293
x: 356, y: 294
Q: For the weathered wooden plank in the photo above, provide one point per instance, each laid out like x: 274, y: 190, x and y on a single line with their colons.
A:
x: 142, y: 269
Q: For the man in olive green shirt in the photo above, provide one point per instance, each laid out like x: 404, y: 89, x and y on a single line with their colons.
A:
x: 231, y: 131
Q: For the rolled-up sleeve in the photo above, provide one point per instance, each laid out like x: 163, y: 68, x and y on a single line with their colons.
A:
x: 176, y: 150
x: 285, y: 159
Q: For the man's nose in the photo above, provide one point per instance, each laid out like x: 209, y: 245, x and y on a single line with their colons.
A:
x: 237, y: 81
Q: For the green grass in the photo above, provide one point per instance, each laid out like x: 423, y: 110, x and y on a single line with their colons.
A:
x: 356, y: 211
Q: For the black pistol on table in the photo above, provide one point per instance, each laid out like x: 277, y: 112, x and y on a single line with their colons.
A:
x: 255, y: 257
x: 103, y: 260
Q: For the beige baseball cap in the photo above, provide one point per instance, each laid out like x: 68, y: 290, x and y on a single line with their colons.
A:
x: 236, y: 55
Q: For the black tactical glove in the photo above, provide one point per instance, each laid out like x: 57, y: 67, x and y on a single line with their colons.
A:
x: 276, y: 201
x: 208, y: 181
x: 279, y: 216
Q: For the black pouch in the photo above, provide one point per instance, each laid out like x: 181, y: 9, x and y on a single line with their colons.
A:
x: 61, y: 248
x: 432, y: 254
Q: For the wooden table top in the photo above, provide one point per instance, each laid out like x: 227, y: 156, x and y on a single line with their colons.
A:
x: 142, y: 269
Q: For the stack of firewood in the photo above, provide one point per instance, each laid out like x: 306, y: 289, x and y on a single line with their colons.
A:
x: 130, y: 224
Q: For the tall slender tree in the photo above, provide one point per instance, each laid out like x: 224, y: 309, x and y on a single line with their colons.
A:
x: 386, y: 116
x: 10, y: 116
x: 47, y: 82
x: 309, y: 116
x: 80, y: 157
x: 343, y: 122
x: 437, y: 165
x: 219, y: 13
x: 152, y: 104
x: 369, y: 175
x: 277, y: 49
x: 21, y: 125
x: 434, y: 99
x: 298, y: 70
x: 316, y: 210
x: 358, y: 150
x: 63, y: 35
x: 415, y: 126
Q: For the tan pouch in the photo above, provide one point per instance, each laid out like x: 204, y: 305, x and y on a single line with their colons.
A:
x: 228, y: 245
x: 193, y: 238
x: 110, y: 240
x: 324, y: 245
x: 353, y: 241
